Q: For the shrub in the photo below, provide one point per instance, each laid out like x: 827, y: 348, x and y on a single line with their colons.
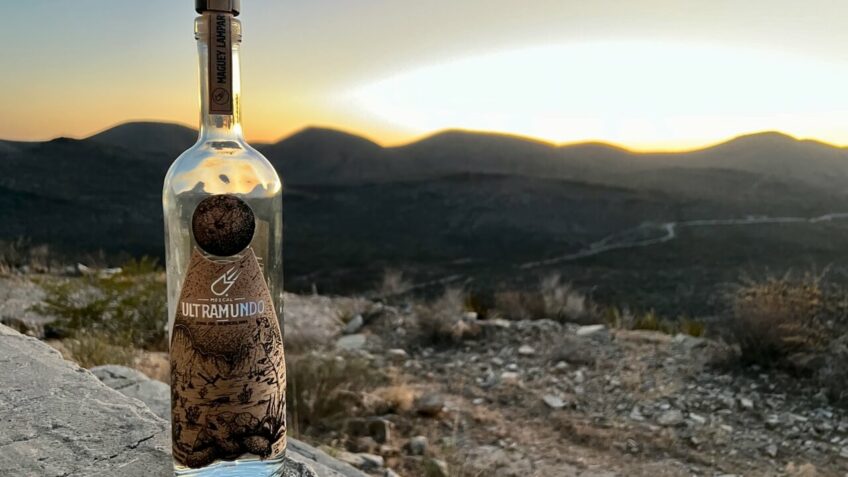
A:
x: 393, y: 284
x: 564, y: 303
x: 127, y: 309
x: 443, y: 320
x: 517, y: 305
x: 554, y: 299
x: 776, y: 318
x: 322, y: 388
x: 95, y: 349
x: 19, y: 253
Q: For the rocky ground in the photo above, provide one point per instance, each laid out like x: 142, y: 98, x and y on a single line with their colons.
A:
x: 542, y: 398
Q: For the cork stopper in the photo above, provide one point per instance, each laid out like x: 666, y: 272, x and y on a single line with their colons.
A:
x: 223, y: 6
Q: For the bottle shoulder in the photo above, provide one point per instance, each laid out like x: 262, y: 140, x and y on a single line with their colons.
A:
x: 223, y: 167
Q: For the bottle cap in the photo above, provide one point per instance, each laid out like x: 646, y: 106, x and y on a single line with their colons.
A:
x: 225, y: 6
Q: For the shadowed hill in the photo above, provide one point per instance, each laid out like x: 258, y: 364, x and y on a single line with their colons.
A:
x: 168, y: 139
x: 486, y: 201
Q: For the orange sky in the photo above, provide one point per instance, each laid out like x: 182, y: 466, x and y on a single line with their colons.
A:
x: 653, y: 74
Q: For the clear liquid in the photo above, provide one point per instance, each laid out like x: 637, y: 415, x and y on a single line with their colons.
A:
x: 224, y: 167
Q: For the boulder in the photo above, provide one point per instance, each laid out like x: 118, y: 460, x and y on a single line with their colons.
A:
x: 59, y: 419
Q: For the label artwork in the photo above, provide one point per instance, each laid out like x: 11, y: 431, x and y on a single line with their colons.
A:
x: 220, y: 64
x: 228, y: 377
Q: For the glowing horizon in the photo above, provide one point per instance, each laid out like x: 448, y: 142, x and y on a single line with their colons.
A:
x: 657, y: 76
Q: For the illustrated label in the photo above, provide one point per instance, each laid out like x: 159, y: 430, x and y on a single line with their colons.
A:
x: 220, y: 64
x: 228, y: 377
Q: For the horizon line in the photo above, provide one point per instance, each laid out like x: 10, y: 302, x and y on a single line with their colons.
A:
x: 425, y: 136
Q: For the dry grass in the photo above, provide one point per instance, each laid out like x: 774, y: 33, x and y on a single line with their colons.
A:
x: 554, y: 300
x: 323, y: 389
x: 518, y: 305
x: 396, y: 399
x: 442, y: 321
x: 22, y: 254
x: 778, y: 317
x: 393, y: 284
x: 95, y: 349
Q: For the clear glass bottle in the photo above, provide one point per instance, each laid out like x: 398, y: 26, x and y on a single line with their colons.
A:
x: 222, y: 203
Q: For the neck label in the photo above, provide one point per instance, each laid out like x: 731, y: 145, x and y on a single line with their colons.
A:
x: 220, y: 64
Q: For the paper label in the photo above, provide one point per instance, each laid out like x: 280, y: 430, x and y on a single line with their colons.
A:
x: 228, y: 377
x: 220, y: 64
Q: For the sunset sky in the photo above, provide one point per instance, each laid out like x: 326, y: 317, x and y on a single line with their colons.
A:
x: 647, y: 74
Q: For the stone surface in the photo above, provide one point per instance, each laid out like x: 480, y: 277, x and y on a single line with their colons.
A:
x: 57, y: 419
x: 136, y: 385
x: 354, y: 325
x: 351, y: 342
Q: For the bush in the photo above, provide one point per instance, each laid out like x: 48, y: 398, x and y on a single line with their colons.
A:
x: 517, y: 305
x: 393, y: 284
x: 554, y: 300
x: 322, y: 388
x: 777, y: 318
x: 95, y: 349
x: 624, y: 319
x: 126, y: 309
x: 19, y: 253
x: 443, y: 321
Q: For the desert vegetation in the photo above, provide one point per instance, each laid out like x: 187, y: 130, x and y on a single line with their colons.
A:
x: 427, y: 386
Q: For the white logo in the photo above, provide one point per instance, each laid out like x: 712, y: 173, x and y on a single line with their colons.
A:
x: 227, y: 281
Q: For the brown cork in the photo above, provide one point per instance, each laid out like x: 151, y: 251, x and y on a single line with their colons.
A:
x: 223, y: 225
x: 228, y: 377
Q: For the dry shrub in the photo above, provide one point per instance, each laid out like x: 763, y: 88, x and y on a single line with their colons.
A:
x: 774, y: 319
x: 21, y: 254
x: 396, y: 399
x: 564, y: 303
x: 517, y: 305
x: 554, y: 300
x: 323, y: 389
x: 393, y: 284
x: 442, y: 321
x: 92, y: 349
x: 128, y: 308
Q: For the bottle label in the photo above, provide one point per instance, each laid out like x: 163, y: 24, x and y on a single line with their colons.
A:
x: 228, y: 376
x: 220, y: 64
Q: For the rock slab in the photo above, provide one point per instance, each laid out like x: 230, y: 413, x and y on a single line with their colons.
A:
x: 59, y: 420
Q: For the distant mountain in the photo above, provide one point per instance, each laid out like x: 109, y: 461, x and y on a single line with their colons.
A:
x: 456, y: 203
x: 165, y: 138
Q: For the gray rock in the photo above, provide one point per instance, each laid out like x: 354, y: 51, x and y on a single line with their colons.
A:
x: 430, y: 405
x: 417, y: 445
x: 137, y: 385
x: 771, y: 450
x: 526, y: 350
x: 670, y: 418
x: 351, y: 342
x: 590, y: 330
x: 59, y: 419
x: 354, y: 325
x: 362, y: 461
x: 553, y: 402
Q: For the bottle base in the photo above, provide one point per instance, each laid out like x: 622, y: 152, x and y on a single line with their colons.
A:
x: 241, y: 468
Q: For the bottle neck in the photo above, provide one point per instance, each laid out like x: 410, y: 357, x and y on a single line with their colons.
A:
x: 218, y: 45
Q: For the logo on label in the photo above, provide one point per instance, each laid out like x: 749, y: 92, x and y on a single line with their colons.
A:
x: 226, y: 281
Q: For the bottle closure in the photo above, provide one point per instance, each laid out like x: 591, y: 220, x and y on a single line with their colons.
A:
x: 223, y: 6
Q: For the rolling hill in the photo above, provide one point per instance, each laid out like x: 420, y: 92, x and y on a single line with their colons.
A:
x: 458, y: 203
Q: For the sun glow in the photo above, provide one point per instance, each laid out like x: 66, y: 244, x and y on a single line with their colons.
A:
x: 644, y: 95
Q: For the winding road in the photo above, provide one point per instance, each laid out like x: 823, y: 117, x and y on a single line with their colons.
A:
x: 632, y: 238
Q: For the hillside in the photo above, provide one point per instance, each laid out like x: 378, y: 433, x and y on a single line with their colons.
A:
x: 459, y: 204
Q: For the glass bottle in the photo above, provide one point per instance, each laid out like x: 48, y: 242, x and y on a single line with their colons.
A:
x: 222, y: 203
